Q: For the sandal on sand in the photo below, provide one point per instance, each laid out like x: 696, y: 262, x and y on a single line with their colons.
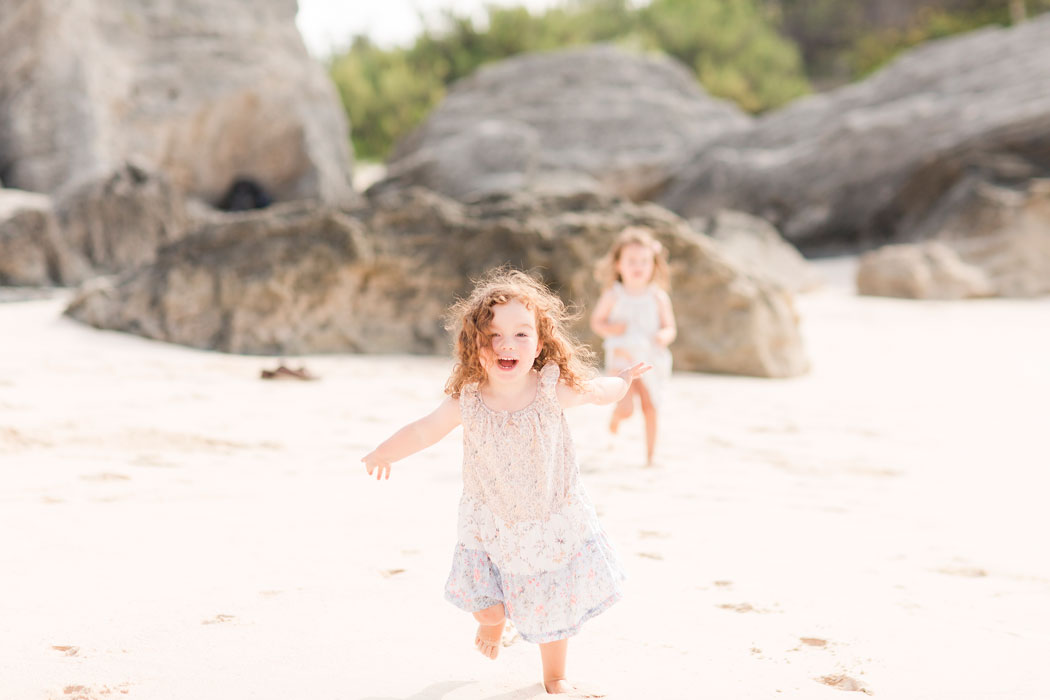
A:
x: 283, y: 372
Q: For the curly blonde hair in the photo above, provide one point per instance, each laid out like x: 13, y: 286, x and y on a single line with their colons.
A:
x: 469, y: 319
x: 605, y: 271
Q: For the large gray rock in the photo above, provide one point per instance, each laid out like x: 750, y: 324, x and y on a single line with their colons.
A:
x: 867, y: 162
x: 930, y: 270
x: 596, y: 117
x: 991, y: 241
x: 379, y: 278
x: 120, y: 219
x: 32, y: 252
x: 203, y: 91
x: 754, y: 245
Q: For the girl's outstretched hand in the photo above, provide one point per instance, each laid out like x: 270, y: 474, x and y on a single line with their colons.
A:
x: 377, y: 465
x: 634, y: 371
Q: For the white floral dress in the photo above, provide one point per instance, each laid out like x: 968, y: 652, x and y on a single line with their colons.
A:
x: 641, y: 314
x: 528, y: 536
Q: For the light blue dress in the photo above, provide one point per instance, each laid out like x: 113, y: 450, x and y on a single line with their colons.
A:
x: 528, y: 535
x: 641, y: 314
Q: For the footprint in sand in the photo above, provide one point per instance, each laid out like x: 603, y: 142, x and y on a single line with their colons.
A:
x: 151, y: 460
x: 67, y: 650
x: 814, y: 641
x: 746, y: 608
x: 843, y: 682
x: 646, y: 534
x: 387, y: 573
x: 85, y: 692
x: 964, y: 571
x: 651, y: 555
x: 106, y: 476
x: 219, y: 619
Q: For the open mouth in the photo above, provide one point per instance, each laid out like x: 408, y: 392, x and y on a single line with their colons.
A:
x: 506, y: 362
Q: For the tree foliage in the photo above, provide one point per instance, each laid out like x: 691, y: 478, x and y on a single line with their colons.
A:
x: 842, y: 40
x: 734, y: 50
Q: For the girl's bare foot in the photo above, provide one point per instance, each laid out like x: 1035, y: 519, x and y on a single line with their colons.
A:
x: 570, y: 690
x: 490, y: 629
x: 490, y: 638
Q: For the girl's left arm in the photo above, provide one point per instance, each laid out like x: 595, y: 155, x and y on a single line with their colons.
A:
x: 603, y: 390
x: 668, y: 328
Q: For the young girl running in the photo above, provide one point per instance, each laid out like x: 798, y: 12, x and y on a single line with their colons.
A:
x: 635, y: 318
x: 530, y: 548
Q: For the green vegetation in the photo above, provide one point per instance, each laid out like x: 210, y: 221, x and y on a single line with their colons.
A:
x: 759, y: 54
x: 872, y: 51
x: 841, y: 40
x: 730, y: 44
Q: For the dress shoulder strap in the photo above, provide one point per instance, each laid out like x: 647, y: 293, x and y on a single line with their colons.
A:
x: 549, y: 380
x: 468, y: 400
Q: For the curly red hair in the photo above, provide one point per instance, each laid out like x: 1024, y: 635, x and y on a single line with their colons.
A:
x: 469, y: 319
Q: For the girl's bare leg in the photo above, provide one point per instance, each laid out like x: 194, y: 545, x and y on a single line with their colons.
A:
x: 649, y: 412
x: 490, y: 630
x: 623, y: 410
x: 553, y: 654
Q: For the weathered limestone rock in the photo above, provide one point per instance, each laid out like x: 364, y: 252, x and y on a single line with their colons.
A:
x: 599, y: 116
x: 753, y: 245
x: 930, y: 270
x: 863, y: 164
x: 203, y: 91
x: 379, y: 278
x: 987, y: 241
x: 119, y: 220
x: 275, y: 281
x: 32, y: 253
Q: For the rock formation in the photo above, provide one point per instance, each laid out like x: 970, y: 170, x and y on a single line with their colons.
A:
x: 753, y: 245
x: 984, y: 241
x: 201, y: 91
x: 293, y: 279
x: 863, y: 164
x: 573, y: 119
x: 32, y: 251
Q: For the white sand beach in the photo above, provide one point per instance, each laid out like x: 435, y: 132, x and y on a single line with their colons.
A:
x: 173, y: 527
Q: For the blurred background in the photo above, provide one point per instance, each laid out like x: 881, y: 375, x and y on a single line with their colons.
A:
x: 288, y: 178
x: 760, y: 55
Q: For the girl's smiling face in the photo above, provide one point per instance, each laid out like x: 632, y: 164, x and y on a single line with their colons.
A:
x: 635, y: 265
x: 513, y: 342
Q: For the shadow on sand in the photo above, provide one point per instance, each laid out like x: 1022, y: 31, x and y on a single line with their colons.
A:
x: 438, y: 691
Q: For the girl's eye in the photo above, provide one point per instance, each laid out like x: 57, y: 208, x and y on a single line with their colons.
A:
x: 523, y: 335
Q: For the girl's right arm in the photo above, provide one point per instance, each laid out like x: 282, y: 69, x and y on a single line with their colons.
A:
x: 600, y: 318
x: 413, y: 437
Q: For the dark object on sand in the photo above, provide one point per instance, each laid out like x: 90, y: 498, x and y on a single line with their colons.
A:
x: 245, y: 194
x: 283, y: 372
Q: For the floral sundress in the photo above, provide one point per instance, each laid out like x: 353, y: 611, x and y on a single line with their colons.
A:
x: 527, y: 535
x: 641, y: 314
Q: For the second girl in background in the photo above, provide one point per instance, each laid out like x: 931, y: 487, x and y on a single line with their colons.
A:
x: 635, y: 318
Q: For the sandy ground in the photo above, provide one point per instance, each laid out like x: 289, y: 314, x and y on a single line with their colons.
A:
x: 172, y: 527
